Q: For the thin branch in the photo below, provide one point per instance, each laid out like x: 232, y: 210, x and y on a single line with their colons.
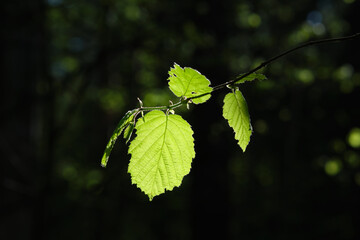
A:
x: 262, y: 65
x: 239, y: 77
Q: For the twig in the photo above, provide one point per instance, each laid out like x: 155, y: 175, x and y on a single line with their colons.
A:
x: 316, y: 42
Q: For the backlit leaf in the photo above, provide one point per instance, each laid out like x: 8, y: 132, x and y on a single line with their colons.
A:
x: 124, y: 122
x: 188, y: 82
x: 128, y: 131
x: 251, y: 77
x: 161, y: 153
x: 235, y: 110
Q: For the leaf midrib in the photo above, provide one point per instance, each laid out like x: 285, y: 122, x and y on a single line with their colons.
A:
x: 161, y: 152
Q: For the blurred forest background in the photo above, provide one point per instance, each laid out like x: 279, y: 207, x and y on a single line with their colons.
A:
x: 71, y: 69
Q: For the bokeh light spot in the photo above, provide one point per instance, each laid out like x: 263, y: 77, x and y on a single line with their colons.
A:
x: 69, y: 172
x: 333, y: 167
x: 344, y: 72
x: 354, y: 138
x: 70, y: 64
x: 132, y: 12
x: 156, y: 97
x: 111, y: 100
x: 319, y: 29
x: 254, y: 20
x: 93, y: 178
x: 314, y: 17
x: 305, y: 76
x: 352, y: 158
x: 261, y: 126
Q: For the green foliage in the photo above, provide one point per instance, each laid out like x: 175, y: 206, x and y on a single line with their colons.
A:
x: 235, y: 110
x: 163, y: 150
x: 124, y: 122
x: 250, y: 77
x: 161, y: 153
x: 128, y: 131
x: 189, y: 83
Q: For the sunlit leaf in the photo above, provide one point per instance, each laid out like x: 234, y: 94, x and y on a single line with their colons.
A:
x: 124, y: 122
x: 128, y: 131
x: 251, y: 77
x: 161, y: 153
x: 235, y: 110
x: 189, y: 83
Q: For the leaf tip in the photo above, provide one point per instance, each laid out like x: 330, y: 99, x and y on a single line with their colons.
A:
x: 104, y: 160
x: 243, y: 147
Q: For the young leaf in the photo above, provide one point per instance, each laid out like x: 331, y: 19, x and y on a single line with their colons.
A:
x: 189, y: 83
x: 129, y: 116
x: 161, y: 153
x: 251, y: 77
x: 235, y: 110
x: 128, y: 131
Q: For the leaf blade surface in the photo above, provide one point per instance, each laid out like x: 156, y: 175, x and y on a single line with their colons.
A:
x: 235, y: 111
x: 251, y: 77
x: 188, y: 82
x: 123, y: 123
x: 161, y: 153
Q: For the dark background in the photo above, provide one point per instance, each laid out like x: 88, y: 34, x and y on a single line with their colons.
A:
x: 71, y: 69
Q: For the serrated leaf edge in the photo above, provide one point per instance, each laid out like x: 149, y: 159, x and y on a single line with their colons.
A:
x: 179, y: 178
x: 242, y: 146
x: 123, y: 123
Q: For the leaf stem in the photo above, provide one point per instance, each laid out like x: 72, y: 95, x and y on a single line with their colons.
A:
x: 170, y: 107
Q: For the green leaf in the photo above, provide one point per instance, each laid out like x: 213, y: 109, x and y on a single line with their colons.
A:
x: 235, y: 110
x: 251, y: 77
x: 128, y: 131
x: 124, y: 122
x: 188, y: 82
x: 161, y: 153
